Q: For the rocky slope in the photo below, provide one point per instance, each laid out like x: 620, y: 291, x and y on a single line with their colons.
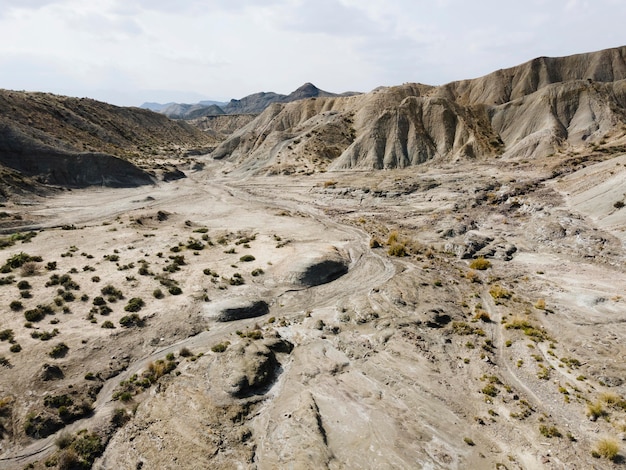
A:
x: 74, y: 142
x: 542, y: 107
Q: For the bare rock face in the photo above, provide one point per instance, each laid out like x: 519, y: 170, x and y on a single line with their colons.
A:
x: 319, y: 268
x: 301, y: 434
x: 245, y: 369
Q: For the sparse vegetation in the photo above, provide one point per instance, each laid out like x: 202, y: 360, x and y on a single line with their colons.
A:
x: 480, y: 264
x: 549, y: 431
x: 60, y: 350
x: 606, y: 448
x: 134, y: 305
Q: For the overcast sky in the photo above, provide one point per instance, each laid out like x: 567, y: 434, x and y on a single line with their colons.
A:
x: 130, y: 51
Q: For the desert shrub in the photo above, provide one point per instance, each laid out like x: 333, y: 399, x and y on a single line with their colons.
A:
x: 88, y: 446
x: 194, y: 244
x: 15, y: 348
x: 464, y: 329
x: 98, y: 300
x: 128, y: 321
x: 472, y: 276
x: 520, y: 323
x: 7, y: 280
x: 220, y: 347
x: 112, y: 291
x: 18, y: 260
x: 134, y: 305
x: 6, y: 335
x: 490, y: 390
x: 34, y: 315
x: 67, y: 296
x: 119, y: 418
x: 257, y: 272
x: 596, y: 410
x: 397, y: 249
x: 30, y: 268
x: 606, y: 448
x: 108, y: 324
x: 185, y: 352
x: 482, y: 315
x: 16, y: 305
x: 247, y: 258
x: 549, y: 431
x: 157, y: 294
x: 469, y: 441
x: 540, y: 304
x: 175, y: 290
x: 499, y: 292
x: 95, y: 279
x: 59, y: 350
x: 25, y: 294
x: 236, y: 280
x: 51, y: 265
x: 480, y: 264
x: 619, y: 204
x: 23, y: 285
x: 158, y: 369
x: 374, y: 243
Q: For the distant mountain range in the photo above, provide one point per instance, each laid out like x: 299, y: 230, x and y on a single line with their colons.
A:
x: 251, y: 104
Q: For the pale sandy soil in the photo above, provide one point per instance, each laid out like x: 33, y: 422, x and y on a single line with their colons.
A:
x: 380, y: 375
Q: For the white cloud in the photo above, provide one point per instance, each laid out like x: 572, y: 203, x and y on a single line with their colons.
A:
x: 226, y: 49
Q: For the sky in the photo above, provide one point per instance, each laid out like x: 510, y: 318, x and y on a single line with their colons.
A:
x: 127, y: 52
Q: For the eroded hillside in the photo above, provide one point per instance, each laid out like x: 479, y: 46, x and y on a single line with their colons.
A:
x: 57, y: 140
x: 544, y: 107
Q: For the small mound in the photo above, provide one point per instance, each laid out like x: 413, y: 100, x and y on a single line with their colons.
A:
x: 319, y: 268
x: 239, y: 309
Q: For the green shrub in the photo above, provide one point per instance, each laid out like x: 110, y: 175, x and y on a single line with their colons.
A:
x: 134, y: 305
x: 59, y: 350
x: 131, y: 320
x: 16, y: 306
x: 111, y: 291
x: 257, y: 272
x: 34, y: 315
x: 549, y: 431
x: 15, y: 348
x: 18, y: 260
x: 220, y: 347
x: 247, y: 258
x: 175, y: 290
x: 157, y: 293
x: 108, y: 324
x: 194, y: 244
x: 490, y: 390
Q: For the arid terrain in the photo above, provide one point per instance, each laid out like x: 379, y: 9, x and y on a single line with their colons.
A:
x: 408, y: 278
